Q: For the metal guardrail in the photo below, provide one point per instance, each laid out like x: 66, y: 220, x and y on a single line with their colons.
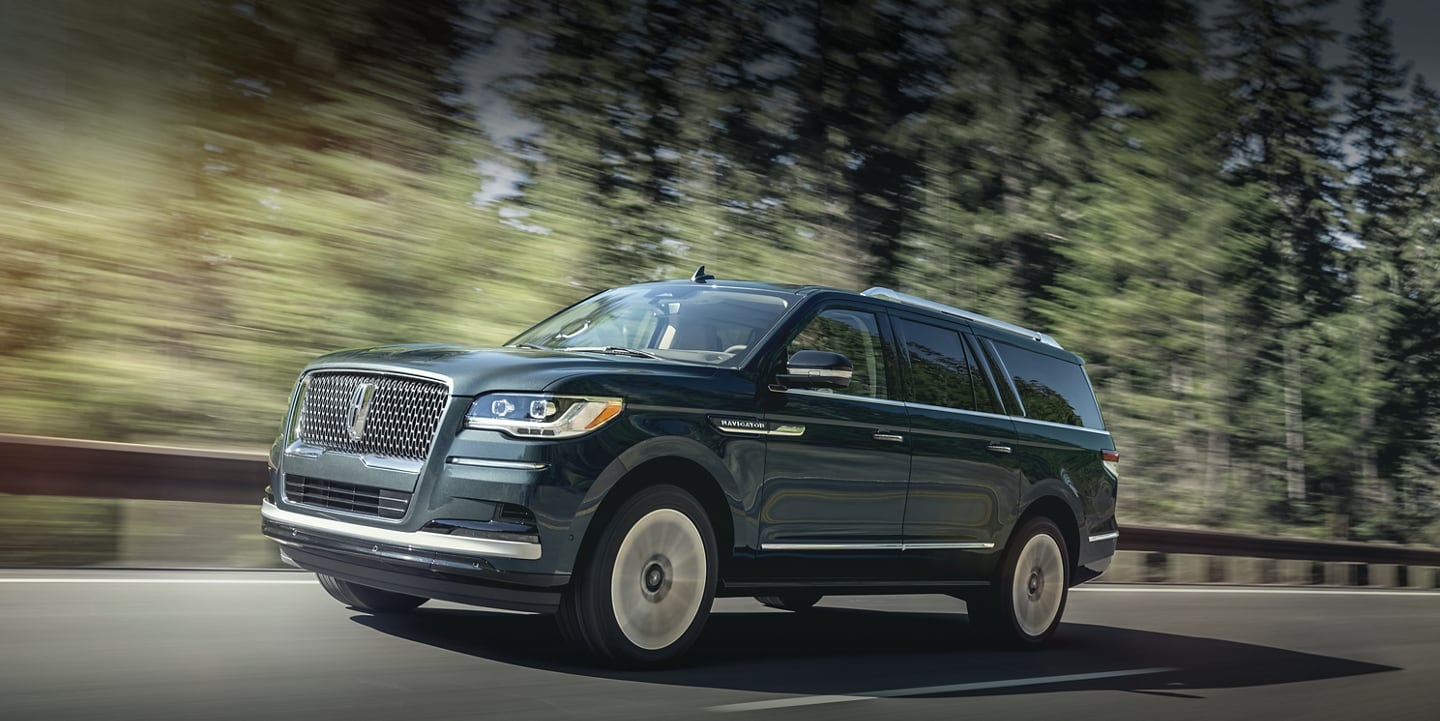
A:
x: 34, y: 466
x: 31, y: 465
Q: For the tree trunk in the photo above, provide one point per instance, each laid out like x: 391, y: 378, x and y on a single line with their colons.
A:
x: 1294, y: 420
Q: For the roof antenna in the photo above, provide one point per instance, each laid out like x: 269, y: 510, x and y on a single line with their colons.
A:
x: 701, y: 276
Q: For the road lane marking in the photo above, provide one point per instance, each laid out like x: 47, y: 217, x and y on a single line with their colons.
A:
x: 927, y: 690
x: 1270, y: 591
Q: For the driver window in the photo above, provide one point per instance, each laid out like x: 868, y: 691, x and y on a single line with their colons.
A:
x: 854, y: 334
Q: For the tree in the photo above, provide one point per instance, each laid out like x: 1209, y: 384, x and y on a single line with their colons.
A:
x: 1285, y: 159
x: 1374, y: 115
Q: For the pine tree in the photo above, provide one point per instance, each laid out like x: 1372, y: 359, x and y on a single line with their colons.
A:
x: 1286, y: 160
x: 1374, y: 113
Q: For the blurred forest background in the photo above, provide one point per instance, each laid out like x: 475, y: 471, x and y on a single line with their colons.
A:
x: 1230, y: 211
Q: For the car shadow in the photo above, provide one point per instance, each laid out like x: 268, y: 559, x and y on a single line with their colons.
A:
x: 853, y: 651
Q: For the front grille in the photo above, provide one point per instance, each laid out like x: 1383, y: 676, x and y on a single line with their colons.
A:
x: 399, y: 422
x: 339, y: 496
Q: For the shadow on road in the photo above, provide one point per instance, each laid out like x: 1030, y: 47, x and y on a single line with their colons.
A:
x: 851, y: 651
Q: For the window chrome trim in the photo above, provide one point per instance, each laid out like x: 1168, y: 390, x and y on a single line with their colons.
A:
x: 983, y: 414
x: 832, y: 396
x: 525, y: 550
x: 968, y: 545
x: 1110, y: 535
x: 491, y: 463
x: 1088, y: 429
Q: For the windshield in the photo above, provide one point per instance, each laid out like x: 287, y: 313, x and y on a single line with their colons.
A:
x: 695, y: 324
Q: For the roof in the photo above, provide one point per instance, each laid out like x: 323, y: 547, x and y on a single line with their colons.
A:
x: 879, y: 293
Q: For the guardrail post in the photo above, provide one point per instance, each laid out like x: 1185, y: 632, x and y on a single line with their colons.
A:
x: 1156, y: 567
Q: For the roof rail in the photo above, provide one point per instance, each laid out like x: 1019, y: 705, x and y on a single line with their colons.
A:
x: 907, y: 299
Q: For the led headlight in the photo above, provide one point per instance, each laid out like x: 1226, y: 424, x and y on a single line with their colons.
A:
x: 541, y: 415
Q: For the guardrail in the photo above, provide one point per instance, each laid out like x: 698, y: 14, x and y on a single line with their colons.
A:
x: 31, y: 465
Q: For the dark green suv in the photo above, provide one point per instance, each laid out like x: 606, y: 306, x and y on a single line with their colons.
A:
x: 632, y: 457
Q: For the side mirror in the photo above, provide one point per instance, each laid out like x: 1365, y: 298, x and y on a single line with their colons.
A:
x: 816, y: 369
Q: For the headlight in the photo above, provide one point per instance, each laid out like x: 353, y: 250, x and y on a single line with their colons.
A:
x: 541, y: 415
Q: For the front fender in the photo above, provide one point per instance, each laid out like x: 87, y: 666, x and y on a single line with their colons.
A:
x: 668, y: 447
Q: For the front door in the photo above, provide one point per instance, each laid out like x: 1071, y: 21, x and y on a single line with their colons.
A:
x: 837, y: 462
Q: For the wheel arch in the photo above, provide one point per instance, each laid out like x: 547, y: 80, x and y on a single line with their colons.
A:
x: 1060, y: 511
x: 680, y: 462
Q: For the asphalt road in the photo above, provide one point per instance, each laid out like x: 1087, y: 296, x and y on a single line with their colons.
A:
x: 197, y: 646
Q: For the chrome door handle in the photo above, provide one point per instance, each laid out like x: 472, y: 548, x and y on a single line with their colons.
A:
x: 997, y: 448
x: 888, y: 437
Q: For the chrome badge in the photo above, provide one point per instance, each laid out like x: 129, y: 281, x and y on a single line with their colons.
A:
x: 359, y: 410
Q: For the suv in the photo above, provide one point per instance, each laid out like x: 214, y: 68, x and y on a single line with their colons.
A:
x: 654, y: 446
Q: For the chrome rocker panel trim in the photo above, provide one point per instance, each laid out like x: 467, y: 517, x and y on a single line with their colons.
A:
x: 486, y: 547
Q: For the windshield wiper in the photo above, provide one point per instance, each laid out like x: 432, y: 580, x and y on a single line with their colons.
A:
x: 531, y: 346
x: 616, y: 350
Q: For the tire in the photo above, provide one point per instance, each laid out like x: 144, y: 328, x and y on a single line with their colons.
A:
x: 367, y: 599
x: 791, y: 600
x: 1024, y: 607
x: 644, y: 594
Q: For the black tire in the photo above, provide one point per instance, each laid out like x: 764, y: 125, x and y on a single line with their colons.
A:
x: 367, y: 599
x: 791, y: 600
x: 1024, y: 607
x: 644, y: 594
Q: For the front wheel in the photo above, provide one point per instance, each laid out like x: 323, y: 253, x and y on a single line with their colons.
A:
x: 1025, y: 605
x: 367, y: 599
x: 644, y: 595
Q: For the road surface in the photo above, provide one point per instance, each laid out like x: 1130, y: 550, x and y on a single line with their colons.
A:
x: 118, y: 645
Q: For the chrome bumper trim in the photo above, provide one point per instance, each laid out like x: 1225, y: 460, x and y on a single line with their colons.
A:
x: 493, y: 548
x: 488, y: 463
x: 1104, y: 536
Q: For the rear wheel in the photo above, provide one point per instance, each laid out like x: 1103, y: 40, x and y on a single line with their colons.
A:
x: 1024, y: 607
x: 791, y: 600
x: 644, y: 595
x: 367, y: 599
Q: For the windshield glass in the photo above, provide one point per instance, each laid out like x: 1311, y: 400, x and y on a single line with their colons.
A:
x: 695, y: 324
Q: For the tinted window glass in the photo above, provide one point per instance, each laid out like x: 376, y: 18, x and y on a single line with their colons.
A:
x: 854, y: 334
x: 1050, y: 389
x: 941, y: 368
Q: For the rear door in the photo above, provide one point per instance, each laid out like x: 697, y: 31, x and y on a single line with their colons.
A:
x: 964, y: 478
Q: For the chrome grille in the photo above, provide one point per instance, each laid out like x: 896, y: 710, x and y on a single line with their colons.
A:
x: 339, y: 496
x: 401, y: 420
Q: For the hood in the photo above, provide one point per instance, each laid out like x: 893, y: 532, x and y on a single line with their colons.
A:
x: 473, y: 371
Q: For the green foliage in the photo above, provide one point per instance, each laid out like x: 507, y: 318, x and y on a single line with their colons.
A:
x: 198, y: 197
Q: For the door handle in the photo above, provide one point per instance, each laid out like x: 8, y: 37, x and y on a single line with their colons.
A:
x: 997, y: 448
x: 888, y: 437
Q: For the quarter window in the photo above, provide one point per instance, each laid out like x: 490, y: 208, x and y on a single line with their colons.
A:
x: 1051, y: 389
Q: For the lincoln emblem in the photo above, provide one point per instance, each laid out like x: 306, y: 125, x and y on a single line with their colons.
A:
x: 359, y: 410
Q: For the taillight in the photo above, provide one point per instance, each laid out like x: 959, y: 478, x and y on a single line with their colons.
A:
x: 1112, y: 456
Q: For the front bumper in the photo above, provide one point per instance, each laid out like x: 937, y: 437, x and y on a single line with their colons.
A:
x: 423, y: 564
x: 355, y: 534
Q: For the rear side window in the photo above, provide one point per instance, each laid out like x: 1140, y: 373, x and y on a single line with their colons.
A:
x: 1051, y: 389
x: 942, y: 373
